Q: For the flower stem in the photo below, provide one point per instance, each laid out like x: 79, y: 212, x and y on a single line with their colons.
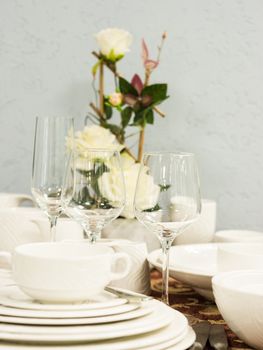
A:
x: 109, y: 66
x: 101, y: 90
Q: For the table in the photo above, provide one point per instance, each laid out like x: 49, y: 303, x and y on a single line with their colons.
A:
x: 193, y: 306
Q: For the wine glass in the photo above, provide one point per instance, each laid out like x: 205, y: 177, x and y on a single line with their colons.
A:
x: 95, y: 180
x: 167, y: 199
x: 52, y: 144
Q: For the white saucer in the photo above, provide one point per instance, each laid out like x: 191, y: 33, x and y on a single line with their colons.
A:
x: 12, y: 296
x: 145, y: 309
x: 159, y: 318
x: 157, y: 340
x: 119, y: 309
x: 192, y: 264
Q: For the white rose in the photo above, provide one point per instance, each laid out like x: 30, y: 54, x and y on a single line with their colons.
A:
x: 113, y: 42
x: 111, y: 188
x: 95, y: 137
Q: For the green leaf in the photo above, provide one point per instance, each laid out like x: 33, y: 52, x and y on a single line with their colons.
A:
x: 126, y: 87
x: 155, y: 208
x: 95, y: 67
x: 108, y: 111
x: 164, y: 188
x: 149, y: 116
x: 158, y: 92
x: 126, y: 116
x: 139, y: 119
x: 115, y: 129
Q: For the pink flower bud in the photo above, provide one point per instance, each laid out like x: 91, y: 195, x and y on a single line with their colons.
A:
x: 115, y: 99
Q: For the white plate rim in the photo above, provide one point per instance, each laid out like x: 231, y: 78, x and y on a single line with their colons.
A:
x: 133, y: 314
x: 164, y: 335
x: 8, y: 311
x: 6, y: 300
x: 148, y: 323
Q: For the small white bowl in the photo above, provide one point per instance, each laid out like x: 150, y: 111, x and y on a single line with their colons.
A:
x: 239, y: 256
x: 239, y: 297
x: 228, y: 236
x: 66, y: 272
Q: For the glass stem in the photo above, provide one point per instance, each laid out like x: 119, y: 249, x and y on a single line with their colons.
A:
x: 53, y: 223
x: 166, y: 244
x: 94, y: 236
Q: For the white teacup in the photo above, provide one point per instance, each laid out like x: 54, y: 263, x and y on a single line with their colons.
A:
x: 13, y: 199
x: 66, y: 272
x: 203, y: 229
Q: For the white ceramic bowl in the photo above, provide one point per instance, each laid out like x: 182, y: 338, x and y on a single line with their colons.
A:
x: 66, y: 272
x: 239, y: 256
x: 228, y: 236
x: 239, y: 297
x: 193, y: 264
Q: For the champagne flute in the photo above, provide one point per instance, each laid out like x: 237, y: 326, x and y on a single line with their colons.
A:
x: 53, y: 140
x: 167, y: 199
x: 95, y: 180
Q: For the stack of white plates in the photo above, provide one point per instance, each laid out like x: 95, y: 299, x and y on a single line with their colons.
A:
x: 104, y: 323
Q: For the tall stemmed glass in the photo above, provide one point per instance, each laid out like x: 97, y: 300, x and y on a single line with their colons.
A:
x: 53, y: 140
x: 95, y: 179
x: 167, y: 199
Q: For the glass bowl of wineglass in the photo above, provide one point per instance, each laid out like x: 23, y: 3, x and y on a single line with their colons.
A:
x: 50, y: 160
x: 96, y: 185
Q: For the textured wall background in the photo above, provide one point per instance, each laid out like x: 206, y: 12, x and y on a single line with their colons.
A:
x: 212, y: 62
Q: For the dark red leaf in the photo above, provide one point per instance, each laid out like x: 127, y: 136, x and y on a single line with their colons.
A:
x: 137, y: 83
x: 130, y: 99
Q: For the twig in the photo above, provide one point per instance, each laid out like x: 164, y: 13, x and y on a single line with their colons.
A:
x: 93, y: 118
x: 158, y: 111
x: 131, y: 135
x: 147, y: 77
x: 96, y: 110
x: 126, y: 149
x: 141, y: 143
x: 164, y: 36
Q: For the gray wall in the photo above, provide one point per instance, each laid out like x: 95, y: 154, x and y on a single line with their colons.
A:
x: 212, y: 62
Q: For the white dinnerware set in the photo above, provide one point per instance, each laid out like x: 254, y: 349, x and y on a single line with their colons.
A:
x: 55, y: 296
x: 229, y: 271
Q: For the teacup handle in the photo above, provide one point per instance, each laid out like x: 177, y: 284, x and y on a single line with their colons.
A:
x: 5, y: 260
x: 127, y: 265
